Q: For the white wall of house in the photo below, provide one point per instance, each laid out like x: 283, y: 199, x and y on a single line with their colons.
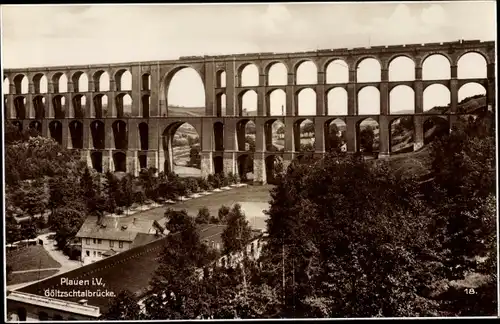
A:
x: 92, y: 249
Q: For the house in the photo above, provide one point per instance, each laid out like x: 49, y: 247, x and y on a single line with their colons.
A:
x: 106, y: 236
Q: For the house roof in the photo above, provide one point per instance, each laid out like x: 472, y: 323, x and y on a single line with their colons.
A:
x: 115, y: 228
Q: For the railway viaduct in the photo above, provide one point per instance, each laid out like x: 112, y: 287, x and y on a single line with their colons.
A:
x: 111, y: 140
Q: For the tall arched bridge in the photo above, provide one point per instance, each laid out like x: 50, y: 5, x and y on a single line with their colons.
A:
x: 111, y: 140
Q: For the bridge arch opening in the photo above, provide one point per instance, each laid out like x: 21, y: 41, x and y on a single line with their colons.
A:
x: 98, y: 133
x: 304, y: 135
x: 245, y: 167
x: 18, y: 125
x: 220, y: 79
x: 368, y: 70
x: 471, y: 96
x: 185, y: 93
x: 146, y: 82
x: 306, y: 72
x: 79, y: 106
x: 274, y: 135
x: 274, y: 164
x: 402, y: 100
x: 60, y: 82
x: 181, y: 144
x: 40, y: 84
x: 145, y: 104
x: 219, y: 136
x: 120, y: 134
x: 245, y: 134
x: 100, y: 109
x: 435, y: 127
x: 38, y: 107
x: 20, y: 84
x: 367, y: 136
x: 247, y: 103
x: 76, y: 133
x: 80, y: 82
x: 218, y: 164
x: 436, y: 98
x: 55, y: 131
x: 20, y: 107
x: 337, y: 71
x: 337, y: 101
x: 220, y: 104
x: 96, y: 158
x: 276, y: 102
x: 59, y: 106
x: 6, y: 86
x: 401, y: 68
x: 369, y: 101
x: 123, y: 105
x: 401, y: 135
x: 306, y: 102
x: 436, y: 67
x: 472, y: 65
x: 335, y: 136
x: 120, y: 162
x: 101, y: 81
x: 123, y: 80
x: 143, y: 160
x: 277, y: 74
x: 144, y: 136
x: 248, y: 75
x: 37, y: 126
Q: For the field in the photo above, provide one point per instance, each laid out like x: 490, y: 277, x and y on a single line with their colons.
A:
x: 30, y: 257
x: 17, y: 278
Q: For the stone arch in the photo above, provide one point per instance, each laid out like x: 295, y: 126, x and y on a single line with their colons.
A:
x: 218, y: 164
x: 276, y: 74
x: 6, y: 85
x: 402, y: 100
x: 472, y: 65
x: 144, y: 136
x: 181, y: 145
x: 304, y: 135
x: 98, y: 134
x: 123, y: 105
x: 56, y: 131
x: 337, y: 71
x: 123, y: 80
x: 120, y: 161
x: 220, y: 104
x: 145, y: 105
x: 169, y: 85
x: 39, y: 107
x: 401, y: 135
x: 248, y: 75
x: 219, y: 136
x: 40, y: 84
x: 306, y: 102
x: 401, y: 68
x: 245, y: 167
x: 36, y: 125
x: 20, y: 107
x: 276, y: 102
x: 274, y: 135
x: 306, y: 72
x: 143, y: 161
x: 20, y: 84
x: 247, y: 102
x: 273, y: 163
x: 369, y: 101
x: 146, y: 82
x: 80, y: 81
x: 471, y: 96
x: 60, y: 82
x: 76, y: 133
x: 335, y: 132
x: 245, y: 128
x: 59, y: 106
x: 101, y: 81
x: 221, y: 79
x: 436, y: 98
x: 100, y: 106
x: 436, y: 66
x: 368, y: 69
x: 96, y: 158
x: 367, y: 135
x: 120, y: 134
x: 79, y: 106
x: 337, y: 101
x: 435, y: 127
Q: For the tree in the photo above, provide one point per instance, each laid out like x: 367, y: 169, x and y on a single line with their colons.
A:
x: 32, y: 197
x: 178, y: 220
x: 367, y: 138
x: 123, y: 307
x: 203, y: 216
x: 127, y: 194
x: 66, y: 222
x: 281, y: 131
x: 223, y: 214
x: 308, y: 129
x: 112, y: 191
x: 236, y: 235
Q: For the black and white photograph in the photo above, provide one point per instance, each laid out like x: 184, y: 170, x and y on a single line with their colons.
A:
x: 227, y: 161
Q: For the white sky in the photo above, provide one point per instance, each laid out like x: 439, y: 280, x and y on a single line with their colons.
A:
x: 68, y: 35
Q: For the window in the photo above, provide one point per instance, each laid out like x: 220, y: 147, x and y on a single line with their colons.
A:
x: 99, y: 241
x: 88, y: 253
x: 94, y: 253
x: 111, y: 243
x: 94, y: 241
x: 87, y: 241
x: 120, y: 244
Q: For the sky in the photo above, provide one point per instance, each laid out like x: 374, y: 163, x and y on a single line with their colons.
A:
x: 70, y: 35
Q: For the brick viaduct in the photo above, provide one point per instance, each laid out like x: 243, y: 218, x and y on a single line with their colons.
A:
x: 114, y: 141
